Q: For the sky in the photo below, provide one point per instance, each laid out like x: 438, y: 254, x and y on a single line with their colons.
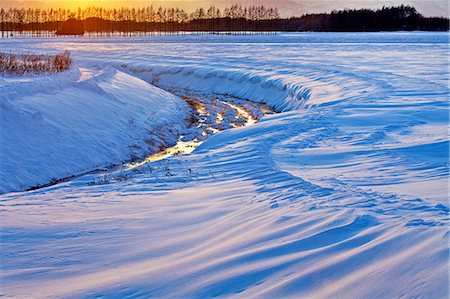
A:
x: 287, y: 8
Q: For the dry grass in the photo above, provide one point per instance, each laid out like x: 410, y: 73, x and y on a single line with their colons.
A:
x: 22, y: 63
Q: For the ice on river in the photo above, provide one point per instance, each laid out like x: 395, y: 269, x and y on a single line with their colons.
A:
x: 341, y: 194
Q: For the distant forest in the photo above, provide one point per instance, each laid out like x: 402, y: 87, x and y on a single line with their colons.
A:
x: 231, y: 20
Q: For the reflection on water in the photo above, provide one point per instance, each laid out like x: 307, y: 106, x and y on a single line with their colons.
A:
x: 245, y: 114
x: 181, y: 148
x: 213, y: 113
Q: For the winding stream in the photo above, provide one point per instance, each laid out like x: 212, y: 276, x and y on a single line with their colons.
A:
x: 211, y: 113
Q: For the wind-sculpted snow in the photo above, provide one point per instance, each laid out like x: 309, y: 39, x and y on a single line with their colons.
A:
x: 281, y: 92
x: 63, y: 125
x: 341, y: 195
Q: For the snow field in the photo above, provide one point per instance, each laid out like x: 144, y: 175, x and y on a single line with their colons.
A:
x: 343, y: 194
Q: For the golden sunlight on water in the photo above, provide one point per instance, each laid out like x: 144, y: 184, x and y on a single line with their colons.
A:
x: 243, y: 113
x: 181, y: 148
x: 202, y: 105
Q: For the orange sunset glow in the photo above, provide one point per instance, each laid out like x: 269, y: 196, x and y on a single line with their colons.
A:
x: 286, y: 8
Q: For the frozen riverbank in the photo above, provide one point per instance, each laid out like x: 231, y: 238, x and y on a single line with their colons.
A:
x: 63, y: 125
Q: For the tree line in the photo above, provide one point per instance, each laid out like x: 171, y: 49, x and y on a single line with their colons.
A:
x: 236, y: 18
x: 128, y: 20
x: 384, y: 19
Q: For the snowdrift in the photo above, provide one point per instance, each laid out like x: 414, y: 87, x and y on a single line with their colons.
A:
x: 66, y: 124
x: 283, y: 92
x: 343, y: 195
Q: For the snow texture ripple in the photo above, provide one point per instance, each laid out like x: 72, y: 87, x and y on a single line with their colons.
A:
x: 344, y: 193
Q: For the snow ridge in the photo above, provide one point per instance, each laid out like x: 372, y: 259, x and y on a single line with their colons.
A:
x: 51, y: 131
x: 279, y: 92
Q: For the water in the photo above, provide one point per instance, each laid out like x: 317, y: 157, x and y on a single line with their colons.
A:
x: 212, y: 113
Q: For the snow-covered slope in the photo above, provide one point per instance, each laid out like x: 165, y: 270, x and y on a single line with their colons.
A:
x: 342, y: 195
x: 62, y: 125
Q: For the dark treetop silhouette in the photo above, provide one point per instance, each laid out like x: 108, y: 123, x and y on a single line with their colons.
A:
x: 256, y: 19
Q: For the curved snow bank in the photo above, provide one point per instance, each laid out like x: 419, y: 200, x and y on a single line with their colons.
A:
x: 58, y: 126
x: 283, y: 92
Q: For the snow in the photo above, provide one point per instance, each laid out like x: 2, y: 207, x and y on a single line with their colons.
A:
x: 62, y: 125
x: 342, y: 194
